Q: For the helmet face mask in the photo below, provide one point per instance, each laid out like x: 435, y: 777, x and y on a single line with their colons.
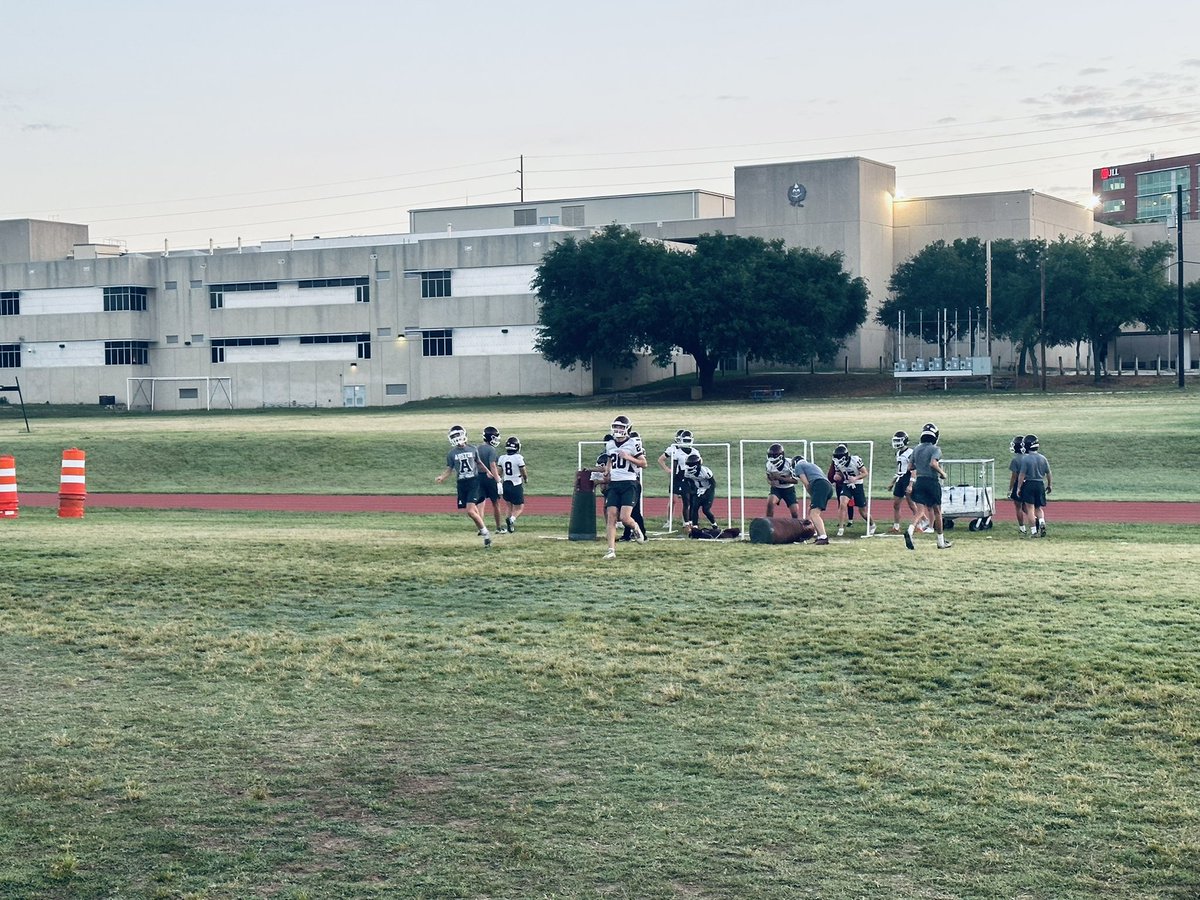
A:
x: 513, y: 444
x: 491, y: 435
x: 1018, y: 444
x: 620, y: 428
x: 457, y: 436
x: 684, y: 439
x: 1031, y: 443
x: 841, y: 451
x: 694, y: 462
x: 899, y: 440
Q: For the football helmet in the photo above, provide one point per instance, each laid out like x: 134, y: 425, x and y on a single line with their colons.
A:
x: 602, y: 459
x: 457, y: 435
x: 929, y: 433
x: 1018, y: 444
x: 694, y: 462
x: 841, y: 451
x: 620, y: 428
x: 1031, y: 443
x: 491, y: 435
x: 899, y: 440
x: 684, y: 440
x: 513, y: 444
x: 775, y: 450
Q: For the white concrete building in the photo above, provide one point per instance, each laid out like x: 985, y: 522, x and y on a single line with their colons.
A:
x: 445, y: 310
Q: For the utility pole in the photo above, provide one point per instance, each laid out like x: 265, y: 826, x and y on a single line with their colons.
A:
x: 1043, y: 267
x: 521, y: 172
x: 1179, y: 260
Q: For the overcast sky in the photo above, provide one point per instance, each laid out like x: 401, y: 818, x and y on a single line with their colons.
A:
x: 191, y: 122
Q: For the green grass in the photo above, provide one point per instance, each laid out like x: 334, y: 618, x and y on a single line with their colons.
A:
x: 252, y: 705
x: 1134, y: 445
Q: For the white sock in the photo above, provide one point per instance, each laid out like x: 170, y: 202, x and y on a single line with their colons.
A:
x: 1022, y: 529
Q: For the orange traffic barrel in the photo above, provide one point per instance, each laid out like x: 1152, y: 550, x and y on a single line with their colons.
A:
x: 8, y: 487
x: 72, y: 487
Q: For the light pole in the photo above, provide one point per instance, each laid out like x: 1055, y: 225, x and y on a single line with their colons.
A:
x: 1179, y: 279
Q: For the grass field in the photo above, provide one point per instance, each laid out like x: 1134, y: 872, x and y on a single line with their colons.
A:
x: 1091, y: 440
x: 228, y: 705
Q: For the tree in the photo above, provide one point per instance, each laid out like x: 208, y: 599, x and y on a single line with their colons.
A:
x: 615, y: 294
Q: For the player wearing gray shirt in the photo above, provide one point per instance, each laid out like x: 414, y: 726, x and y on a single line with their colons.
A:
x: 927, y: 489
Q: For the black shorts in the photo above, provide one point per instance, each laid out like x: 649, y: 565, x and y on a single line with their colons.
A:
x: 927, y: 491
x: 621, y: 493
x: 1034, y: 493
x: 468, y: 492
x: 855, y: 492
x: 514, y: 493
x: 820, y: 492
x: 489, y: 488
x: 901, y: 486
x: 786, y: 495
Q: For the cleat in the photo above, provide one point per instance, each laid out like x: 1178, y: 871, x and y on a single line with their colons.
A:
x: 870, y: 530
x: 611, y: 554
x: 822, y: 541
x: 896, y: 529
x: 487, y: 538
x: 908, y: 542
x: 638, y: 535
x: 841, y: 531
x: 945, y: 545
x: 1041, y: 529
x: 512, y: 525
x: 929, y: 529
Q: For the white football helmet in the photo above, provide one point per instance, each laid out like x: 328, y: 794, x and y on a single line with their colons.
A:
x: 684, y: 440
x: 620, y: 428
x: 457, y: 436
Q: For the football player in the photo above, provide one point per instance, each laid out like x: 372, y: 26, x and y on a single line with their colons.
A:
x: 1033, y: 484
x: 515, y: 476
x: 702, y: 490
x: 463, y: 461
x: 1014, y: 470
x: 927, y: 485
x: 489, y: 475
x: 781, y: 482
x: 625, y: 459
x: 853, y: 473
x: 820, y: 492
x: 901, y: 486
x: 673, y: 461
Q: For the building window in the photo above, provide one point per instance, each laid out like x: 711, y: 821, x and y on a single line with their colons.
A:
x: 125, y: 299
x: 547, y: 220
x: 217, y: 345
x: 362, y: 286
x: 171, y: 285
x: 172, y: 339
x: 196, y: 283
x: 437, y: 343
x: 189, y: 393
x: 126, y: 353
x: 1116, y: 183
x: 1114, y: 206
x: 197, y: 339
x: 524, y: 217
x: 217, y: 292
x: 10, y: 356
x: 362, y: 340
x: 572, y: 215
x: 10, y: 303
x: 396, y: 390
x: 1156, y: 193
x: 435, y: 283
x: 383, y: 275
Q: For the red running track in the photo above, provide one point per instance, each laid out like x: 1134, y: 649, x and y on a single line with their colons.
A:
x: 1114, y: 511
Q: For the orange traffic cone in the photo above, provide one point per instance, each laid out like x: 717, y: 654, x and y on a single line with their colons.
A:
x: 8, y: 487
x: 72, y: 488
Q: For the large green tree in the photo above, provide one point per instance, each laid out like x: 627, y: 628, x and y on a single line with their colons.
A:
x: 616, y: 294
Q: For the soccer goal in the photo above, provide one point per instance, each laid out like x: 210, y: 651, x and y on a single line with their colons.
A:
x: 824, y: 450
x: 140, y: 392
x: 791, y: 446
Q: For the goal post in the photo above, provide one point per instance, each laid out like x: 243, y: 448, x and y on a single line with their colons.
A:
x: 140, y: 391
x: 789, y: 445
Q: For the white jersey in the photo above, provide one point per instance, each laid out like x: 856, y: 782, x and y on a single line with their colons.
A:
x: 621, y: 469
x: 704, y: 481
x: 851, y: 469
x: 779, y: 474
x: 903, y: 458
x: 510, y: 465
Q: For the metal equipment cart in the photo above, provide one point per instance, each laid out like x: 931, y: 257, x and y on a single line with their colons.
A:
x: 969, y: 492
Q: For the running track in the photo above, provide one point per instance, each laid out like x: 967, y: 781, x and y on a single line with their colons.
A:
x: 1116, y: 511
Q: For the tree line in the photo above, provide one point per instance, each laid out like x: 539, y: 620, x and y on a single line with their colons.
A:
x: 617, y: 295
